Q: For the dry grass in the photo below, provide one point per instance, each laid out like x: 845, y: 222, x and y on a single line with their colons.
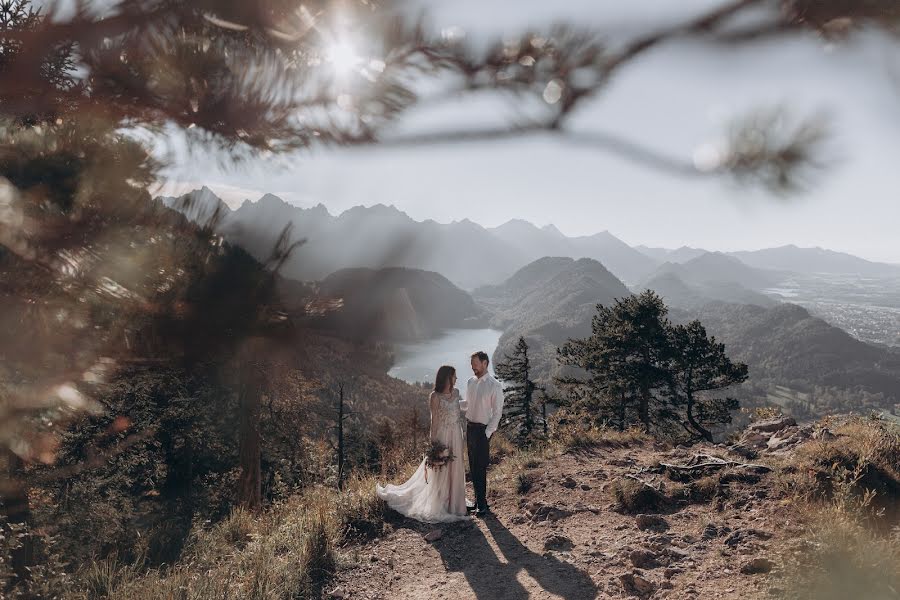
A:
x: 580, y: 437
x: 289, y: 551
x: 848, y: 486
x: 513, y: 473
x: 857, y: 457
x: 632, y: 497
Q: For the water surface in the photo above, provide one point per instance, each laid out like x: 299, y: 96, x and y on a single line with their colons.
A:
x: 420, y: 361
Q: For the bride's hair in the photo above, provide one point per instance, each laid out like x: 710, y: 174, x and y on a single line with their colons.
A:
x: 443, y: 378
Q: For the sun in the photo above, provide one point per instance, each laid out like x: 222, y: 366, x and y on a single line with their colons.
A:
x: 341, y: 54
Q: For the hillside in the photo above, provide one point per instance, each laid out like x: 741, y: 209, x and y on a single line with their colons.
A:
x: 714, y: 268
x: 677, y: 293
x: 609, y: 519
x: 549, y: 301
x: 678, y: 255
x: 396, y: 304
x: 815, y: 260
x: 796, y: 360
x: 788, y: 346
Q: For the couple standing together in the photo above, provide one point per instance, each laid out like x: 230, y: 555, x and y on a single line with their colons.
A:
x: 440, y: 496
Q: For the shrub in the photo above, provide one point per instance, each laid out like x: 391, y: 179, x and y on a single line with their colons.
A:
x: 631, y: 496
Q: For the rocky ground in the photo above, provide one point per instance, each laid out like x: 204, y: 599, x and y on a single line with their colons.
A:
x: 605, y: 522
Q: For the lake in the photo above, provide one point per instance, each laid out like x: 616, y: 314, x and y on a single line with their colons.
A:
x: 420, y: 361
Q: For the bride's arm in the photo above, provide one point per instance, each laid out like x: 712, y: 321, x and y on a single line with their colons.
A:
x: 432, y: 403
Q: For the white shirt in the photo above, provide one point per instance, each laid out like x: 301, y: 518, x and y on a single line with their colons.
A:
x: 484, y: 402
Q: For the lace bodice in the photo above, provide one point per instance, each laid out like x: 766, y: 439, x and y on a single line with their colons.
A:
x: 447, y: 412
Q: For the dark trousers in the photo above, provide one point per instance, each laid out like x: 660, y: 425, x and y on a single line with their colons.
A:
x: 479, y: 447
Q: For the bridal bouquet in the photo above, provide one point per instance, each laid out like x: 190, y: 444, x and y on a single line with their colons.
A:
x: 438, y: 456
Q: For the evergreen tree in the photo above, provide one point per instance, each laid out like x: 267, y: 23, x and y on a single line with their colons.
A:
x: 625, y: 359
x: 699, y: 365
x: 519, y: 407
x: 641, y: 370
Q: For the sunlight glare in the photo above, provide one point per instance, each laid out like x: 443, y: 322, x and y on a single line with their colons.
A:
x: 342, y: 56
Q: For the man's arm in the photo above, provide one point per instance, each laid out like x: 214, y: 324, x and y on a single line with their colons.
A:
x: 464, y: 402
x: 496, y: 411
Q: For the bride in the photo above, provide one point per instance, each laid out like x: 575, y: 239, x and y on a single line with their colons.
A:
x: 436, y: 494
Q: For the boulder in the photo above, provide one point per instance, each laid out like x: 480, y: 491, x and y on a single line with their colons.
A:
x: 651, y: 523
x: 772, y: 425
x: 559, y: 543
x: 636, y: 585
x: 644, y: 559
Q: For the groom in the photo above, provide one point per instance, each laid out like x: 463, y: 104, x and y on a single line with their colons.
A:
x: 484, y: 407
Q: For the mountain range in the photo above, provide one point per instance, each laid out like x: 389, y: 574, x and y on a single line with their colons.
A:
x: 465, y: 252
x: 786, y: 348
x: 711, y: 276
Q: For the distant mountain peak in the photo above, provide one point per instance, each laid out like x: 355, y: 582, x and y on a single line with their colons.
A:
x: 271, y: 200
x: 518, y: 224
x: 551, y: 228
x: 377, y: 210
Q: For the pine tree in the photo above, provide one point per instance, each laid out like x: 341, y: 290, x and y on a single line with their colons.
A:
x: 641, y: 370
x: 700, y: 365
x: 519, y: 407
x: 625, y: 358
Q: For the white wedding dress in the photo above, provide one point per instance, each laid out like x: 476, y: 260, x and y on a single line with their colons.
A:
x: 438, y: 496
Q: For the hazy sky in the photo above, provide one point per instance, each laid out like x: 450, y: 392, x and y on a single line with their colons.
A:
x: 675, y: 99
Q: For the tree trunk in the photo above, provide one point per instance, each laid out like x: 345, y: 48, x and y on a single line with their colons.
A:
x: 707, y: 435
x: 544, y: 415
x: 340, y: 444
x: 645, y: 408
x: 250, y: 480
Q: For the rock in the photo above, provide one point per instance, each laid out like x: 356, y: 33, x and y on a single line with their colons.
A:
x: 676, y: 554
x: 651, y: 522
x: 559, y: 543
x: 735, y: 539
x: 643, y: 559
x: 712, y: 531
x: 585, y: 487
x: 777, y: 442
x: 744, y: 450
x: 824, y: 434
x: 754, y: 438
x: 636, y: 585
x: 434, y: 535
x: 757, y: 566
x: 545, y: 512
x: 568, y: 482
x: 772, y: 425
x: 672, y: 572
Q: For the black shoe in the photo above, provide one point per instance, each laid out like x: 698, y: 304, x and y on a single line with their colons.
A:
x: 483, y: 512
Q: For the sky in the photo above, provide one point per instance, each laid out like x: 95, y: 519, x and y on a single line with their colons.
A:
x: 675, y: 99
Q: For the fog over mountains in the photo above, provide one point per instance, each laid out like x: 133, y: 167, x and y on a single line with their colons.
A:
x: 472, y: 256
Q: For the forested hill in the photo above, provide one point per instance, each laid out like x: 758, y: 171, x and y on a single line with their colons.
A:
x: 549, y: 301
x: 787, y: 346
x: 818, y: 368
x: 396, y: 304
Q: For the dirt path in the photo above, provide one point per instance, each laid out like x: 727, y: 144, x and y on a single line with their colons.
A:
x: 563, y: 540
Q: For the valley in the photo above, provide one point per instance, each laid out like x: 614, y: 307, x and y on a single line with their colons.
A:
x: 817, y: 341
